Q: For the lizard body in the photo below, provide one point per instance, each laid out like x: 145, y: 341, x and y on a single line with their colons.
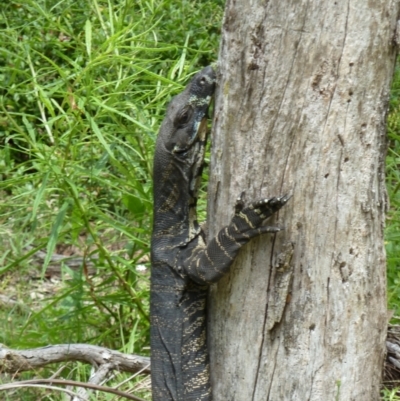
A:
x: 183, y: 265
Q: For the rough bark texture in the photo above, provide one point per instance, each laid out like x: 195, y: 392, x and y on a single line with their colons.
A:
x: 301, y: 108
x: 14, y: 361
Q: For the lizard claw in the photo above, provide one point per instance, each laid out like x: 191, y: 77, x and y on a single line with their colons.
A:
x: 239, y: 205
x: 266, y: 207
x: 283, y: 199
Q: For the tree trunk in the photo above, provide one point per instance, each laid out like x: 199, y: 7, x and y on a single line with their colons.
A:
x: 301, y: 108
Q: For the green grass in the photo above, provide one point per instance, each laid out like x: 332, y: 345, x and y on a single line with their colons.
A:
x: 393, y: 187
x: 391, y: 394
x: 392, y: 232
x: 83, y: 88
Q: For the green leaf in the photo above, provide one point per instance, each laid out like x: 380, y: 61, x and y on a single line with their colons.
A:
x: 88, y: 37
x: 133, y: 204
x: 39, y: 196
x: 99, y: 135
x: 55, y: 231
x: 29, y: 128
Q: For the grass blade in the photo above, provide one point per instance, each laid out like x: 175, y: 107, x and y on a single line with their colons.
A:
x: 88, y: 38
x: 55, y: 231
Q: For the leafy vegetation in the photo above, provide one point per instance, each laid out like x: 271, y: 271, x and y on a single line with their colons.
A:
x: 83, y: 88
x: 392, y: 233
x: 393, y: 187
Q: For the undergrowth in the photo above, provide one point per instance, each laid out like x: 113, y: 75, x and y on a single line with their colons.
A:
x: 392, y: 232
x: 83, y: 88
x: 393, y: 188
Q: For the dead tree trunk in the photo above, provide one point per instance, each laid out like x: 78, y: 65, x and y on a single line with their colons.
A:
x: 301, y: 108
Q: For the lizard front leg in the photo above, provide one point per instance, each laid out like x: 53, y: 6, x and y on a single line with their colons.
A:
x: 207, y: 264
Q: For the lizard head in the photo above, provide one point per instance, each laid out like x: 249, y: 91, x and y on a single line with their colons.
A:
x: 186, y: 115
x: 180, y: 149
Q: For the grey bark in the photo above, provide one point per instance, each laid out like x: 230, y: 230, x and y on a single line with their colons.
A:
x: 13, y: 361
x: 301, y: 108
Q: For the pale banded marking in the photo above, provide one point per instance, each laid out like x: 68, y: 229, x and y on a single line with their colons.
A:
x: 198, y: 270
x: 245, y: 235
x: 223, y: 248
x: 199, y: 101
x: 191, y: 311
x: 198, y: 342
x: 235, y: 227
x: 170, y: 201
x: 195, y: 325
x: 201, y: 339
x: 212, y: 263
x: 233, y: 239
x: 246, y: 219
x: 196, y: 382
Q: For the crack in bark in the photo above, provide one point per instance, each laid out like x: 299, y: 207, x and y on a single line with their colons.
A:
x: 265, y: 321
x: 312, y: 381
x: 272, y: 375
x: 273, y: 243
x: 338, y: 66
x: 287, y: 83
x: 283, y: 97
x: 326, y: 315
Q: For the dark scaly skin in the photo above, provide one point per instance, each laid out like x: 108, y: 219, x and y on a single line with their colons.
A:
x: 183, y: 266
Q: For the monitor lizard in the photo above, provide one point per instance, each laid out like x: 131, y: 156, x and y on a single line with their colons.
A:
x: 183, y: 265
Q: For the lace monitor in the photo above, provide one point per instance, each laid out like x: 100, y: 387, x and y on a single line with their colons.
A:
x: 183, y: 266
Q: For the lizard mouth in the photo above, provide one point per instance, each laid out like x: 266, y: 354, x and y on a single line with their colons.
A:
x: 202, y: 130
x: 198, y: 149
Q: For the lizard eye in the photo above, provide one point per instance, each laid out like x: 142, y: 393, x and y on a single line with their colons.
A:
x: 184, y: 116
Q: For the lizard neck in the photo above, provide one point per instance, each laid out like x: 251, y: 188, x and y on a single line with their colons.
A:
x: 175, y: 198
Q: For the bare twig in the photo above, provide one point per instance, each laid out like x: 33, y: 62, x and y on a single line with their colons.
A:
x: 17, y: 385
x: 133, y: 376
x: 96, y: 378
x: 59, y: 382
x: 56, y: 260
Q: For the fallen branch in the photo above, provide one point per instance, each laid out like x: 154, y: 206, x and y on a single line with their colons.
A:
x: 51, y: 382
x: 96, y: 378
x: 13, y: 361
x: 391, y: 374
x: 56, y: 261
x: 7, y: 302
x: 106, y: 360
